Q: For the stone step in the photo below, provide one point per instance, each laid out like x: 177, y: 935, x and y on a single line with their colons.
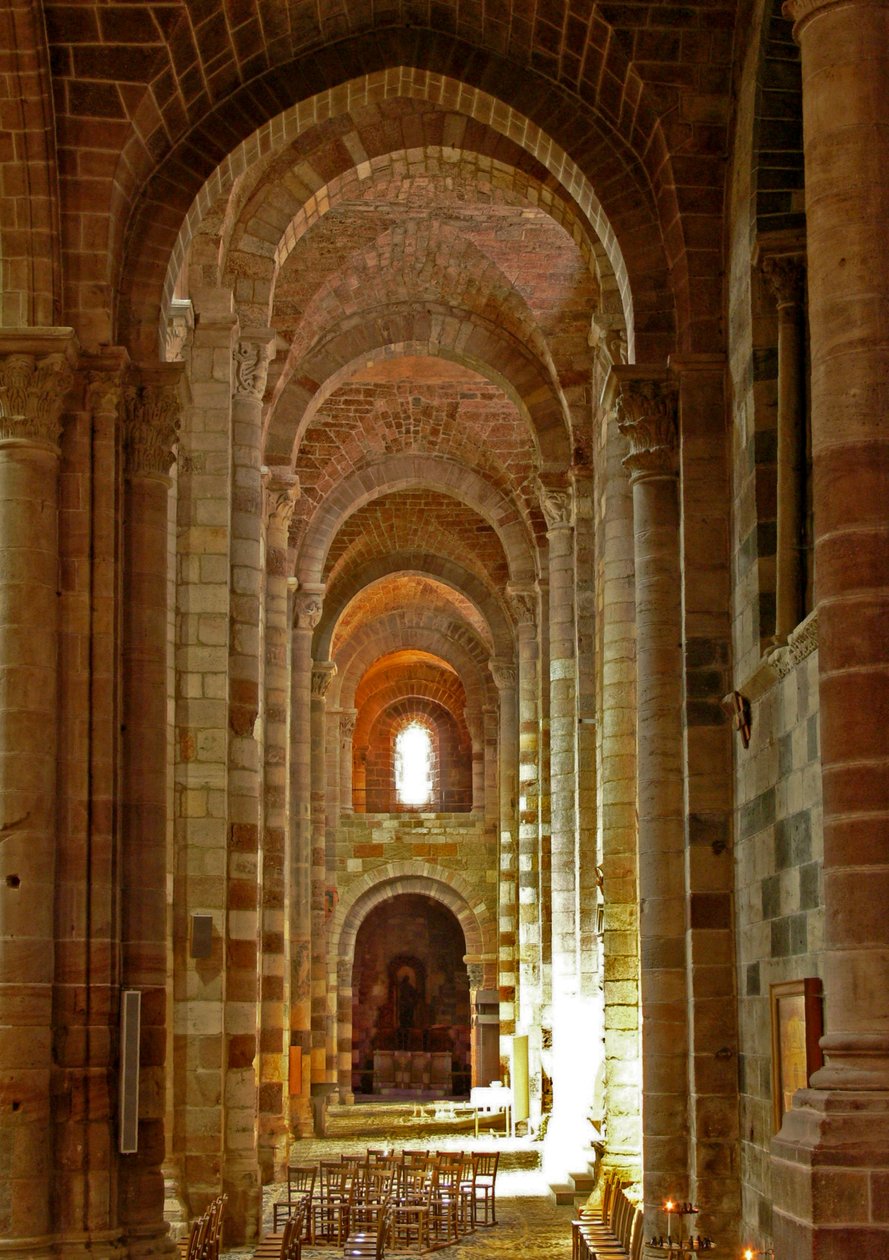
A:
x: 565, y: 1195
x: 584, y: 1182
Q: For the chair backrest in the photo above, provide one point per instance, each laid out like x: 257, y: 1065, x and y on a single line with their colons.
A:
x: 484, y: 1166
x: 287, y: 1237
x: 301, y: 1180
x: 214, y: 1232
x: 197, y: 1237
x: 637, y: 1234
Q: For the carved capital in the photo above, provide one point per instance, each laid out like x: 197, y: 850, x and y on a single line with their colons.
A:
x: 32, y: 393
x: 251, y: 356
x: 504, y: 673
x: 104, y: 391
x: 608, y: 337
x: 646, y: 415
x: 476, y: 973
x: 281, y: 490
x: 323, y: 674
x: 347, y: 725
x: 523, y: 603
x: 178, y: 330
x: 786, y: 277
x: 307, y: 606
x: 151, y: 421
x: 557, y: 505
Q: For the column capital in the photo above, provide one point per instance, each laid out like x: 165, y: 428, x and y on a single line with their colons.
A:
x: 152, y: 412
x: 348, y: 717
x: 251, y: 355
x: 608, y: 335
x: 785, y: 275
x: 308, y: 602
x: 646, y: 415
x: 323, y: 674
x: 800, y: 11
x: 504, y: 673
x: 281, y: 490
x: 36, y: 374
x: 522, y: 598
x: 104, y: 376
x: 557, y: 505
x: 178, y: 329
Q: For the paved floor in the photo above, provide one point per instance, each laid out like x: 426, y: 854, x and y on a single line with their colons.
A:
x: 528, y: 1222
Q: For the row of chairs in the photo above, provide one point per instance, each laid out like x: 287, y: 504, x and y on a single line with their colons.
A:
x: 419, y: 1200
x: 614, y: 1233
x: 205, y: 1234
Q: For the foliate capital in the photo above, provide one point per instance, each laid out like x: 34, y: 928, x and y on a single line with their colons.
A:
x: 251, y: 356
x: 32, y: 393
x: 786, y: 277
x: 646, y: 415
x: 323, y: 674
x: 523, y: 602
x: 151, y: 420
x: 307, y: 606
x: 281, y: 490
x: 347, y: 725
x: 557, y: 505
x: 504, y: 673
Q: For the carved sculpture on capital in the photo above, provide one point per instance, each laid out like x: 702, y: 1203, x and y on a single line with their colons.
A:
x: 786, y: 277
x: 323, y: 674
x: 104, y: 392
x: 251, y: 357
x: 504, y: 673
x: 281, y: 491
x: 557, y: 505
x: 523, y: 602
x: 178, y: 331
x: 32, y: 392
x: 307, y: 606
x: 646, y: 415
x: 347, y: 726
x: 151, y: 424
x: 608, y: 338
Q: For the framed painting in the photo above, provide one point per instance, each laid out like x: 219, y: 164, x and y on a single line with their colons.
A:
x: 796, y: 1034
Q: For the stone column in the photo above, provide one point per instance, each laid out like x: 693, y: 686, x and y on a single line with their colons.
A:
x: 323, y: 1026
x: 281, y: 492
x: 347, y: 730
x: 307, y: 614
x: 505, y: 677
x: 786, y: 275
x: 831, y: 1157
x: 152, y: 415
x: 523, y: 600
x: 83, y: 1086
x: 647, y: 417
x: 35, y: 376
x: 240, y: 1175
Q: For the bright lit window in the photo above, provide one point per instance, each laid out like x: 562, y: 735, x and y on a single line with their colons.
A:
x: 413, y: 765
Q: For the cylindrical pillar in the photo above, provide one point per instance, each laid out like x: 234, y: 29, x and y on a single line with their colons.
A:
x: 786, y: 276
x: 307, y: 614
x: 281, y: 491
x: 347, y: 730
x: 647, y: 418
x: 33, y: 385
x: 505, y: 677
x: 152, y: 414
x: 843, y: 1123
x: 323, y: 1024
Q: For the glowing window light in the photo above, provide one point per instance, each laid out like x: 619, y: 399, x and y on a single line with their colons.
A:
x: 413, y: 765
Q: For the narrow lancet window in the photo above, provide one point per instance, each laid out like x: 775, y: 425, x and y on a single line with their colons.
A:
x: 413, y: 765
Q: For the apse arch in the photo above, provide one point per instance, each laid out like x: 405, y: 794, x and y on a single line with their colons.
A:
x: 410, y: 471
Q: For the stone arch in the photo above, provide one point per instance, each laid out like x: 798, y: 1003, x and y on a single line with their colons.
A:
x: 451, y: 574
x: 153, y: 236
x: 415, y: 471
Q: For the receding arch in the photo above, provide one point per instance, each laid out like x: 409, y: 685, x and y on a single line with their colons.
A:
x: 422, y: 472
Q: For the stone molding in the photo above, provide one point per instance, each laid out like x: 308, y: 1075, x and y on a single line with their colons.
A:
x: 251, y: 356
x: 799, y: 11
x: 646, y: 416
x: 608, y: 337
x: 308, y: 604
x: 281, y: 491
x: 557, y: 505
x: 504, y: 673
x: 32, y: 393
x: 152, y: 414
x: 323, y: 674
x: 523, y: 602
x: 782, y: 659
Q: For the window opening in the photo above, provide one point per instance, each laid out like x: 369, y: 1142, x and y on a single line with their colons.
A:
x: 413, y: 765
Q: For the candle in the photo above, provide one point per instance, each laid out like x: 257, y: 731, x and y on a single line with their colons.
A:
x: 668, y: 1208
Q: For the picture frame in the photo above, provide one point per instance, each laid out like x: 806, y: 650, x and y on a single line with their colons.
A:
x: 796, y: 1022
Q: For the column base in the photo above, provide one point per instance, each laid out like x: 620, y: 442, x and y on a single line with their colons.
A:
x: 830, y: 1176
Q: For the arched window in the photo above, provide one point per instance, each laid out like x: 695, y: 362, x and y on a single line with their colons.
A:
x: 413, y: 765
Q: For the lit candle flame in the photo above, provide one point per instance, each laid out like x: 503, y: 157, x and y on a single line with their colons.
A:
x: 669, y: 1208
x: 749, y: 1253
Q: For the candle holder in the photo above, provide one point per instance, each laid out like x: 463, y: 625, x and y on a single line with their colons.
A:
x: 686, y: 1244
x: 750, y: 1253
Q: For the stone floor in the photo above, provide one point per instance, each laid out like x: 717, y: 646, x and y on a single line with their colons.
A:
x: 528, y: 1222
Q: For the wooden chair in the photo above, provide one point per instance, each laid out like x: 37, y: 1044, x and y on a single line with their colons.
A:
x: 300, y: 1185
x: 368, y: 1234
x: 483, y: 1187
x: 444, y: 1219
x: 409, y: 1218
x: 330, y: 1208
x: 291, y: 1243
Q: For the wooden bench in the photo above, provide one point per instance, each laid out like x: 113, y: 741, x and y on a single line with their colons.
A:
x: 615, y: 1232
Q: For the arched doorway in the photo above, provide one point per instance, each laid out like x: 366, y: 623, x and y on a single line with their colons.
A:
x: 410, y: 1001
